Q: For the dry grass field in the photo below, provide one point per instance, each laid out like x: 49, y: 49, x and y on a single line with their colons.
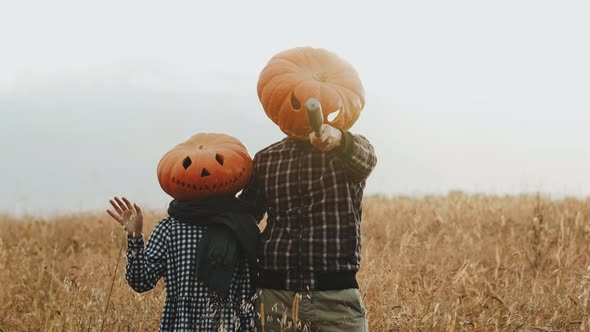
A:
x: 441, y: 263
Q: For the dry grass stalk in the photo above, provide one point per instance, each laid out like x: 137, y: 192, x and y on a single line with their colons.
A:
x: 439, y: 263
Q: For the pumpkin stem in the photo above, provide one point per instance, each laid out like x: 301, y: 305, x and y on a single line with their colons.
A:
x: 320, y: 76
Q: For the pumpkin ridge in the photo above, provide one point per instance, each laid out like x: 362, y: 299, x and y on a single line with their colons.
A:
x: 342, y: 114
x: 280, y: 97
x: 344, y: 84
x: 311, y: 64
x: 276, y: 88
x: 361, y: 98
x: 280, y: 76
x: 265, y: 81
x: 298, y: 66
x: 267, y: 93
x: 296, y: 87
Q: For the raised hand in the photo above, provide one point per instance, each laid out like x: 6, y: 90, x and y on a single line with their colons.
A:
x: 127, y: 215
x: 329, y: 138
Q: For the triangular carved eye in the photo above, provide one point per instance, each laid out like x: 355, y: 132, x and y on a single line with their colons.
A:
x: 186, y: 163
x: 205, y: 173
x: 295, y: 103
x: 219, y: 158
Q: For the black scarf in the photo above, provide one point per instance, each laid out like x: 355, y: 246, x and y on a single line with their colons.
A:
x: 231, y: 231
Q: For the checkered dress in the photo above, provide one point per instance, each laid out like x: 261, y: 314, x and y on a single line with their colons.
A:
x: 314, y: 205
x: 171, y: 253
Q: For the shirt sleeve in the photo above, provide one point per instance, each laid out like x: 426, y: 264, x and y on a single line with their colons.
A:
x: 254, y: 193
x: 357, y: 156
x: 147, y: 264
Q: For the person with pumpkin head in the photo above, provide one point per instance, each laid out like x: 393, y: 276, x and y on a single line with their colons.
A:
x: 206, y: 248
x: 310, y: 185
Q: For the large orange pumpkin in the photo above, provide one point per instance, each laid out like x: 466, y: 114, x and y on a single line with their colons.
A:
x: 292, y: 77
x: 205, y: 165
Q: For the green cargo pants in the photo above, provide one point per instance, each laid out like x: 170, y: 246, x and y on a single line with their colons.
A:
x: 313, y: 311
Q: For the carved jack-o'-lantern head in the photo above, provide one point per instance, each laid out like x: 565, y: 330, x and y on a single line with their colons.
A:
x: 293, y: 76
x: 205, y: 165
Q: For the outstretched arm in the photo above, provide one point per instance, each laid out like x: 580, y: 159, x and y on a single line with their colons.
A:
x: 355, y: 151
x: 145, y: 264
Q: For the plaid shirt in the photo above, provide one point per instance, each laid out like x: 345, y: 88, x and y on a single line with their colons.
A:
x: 171, y: 253
x: 314, y: 204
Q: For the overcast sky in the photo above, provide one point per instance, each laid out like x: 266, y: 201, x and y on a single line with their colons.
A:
x: 471, y: 95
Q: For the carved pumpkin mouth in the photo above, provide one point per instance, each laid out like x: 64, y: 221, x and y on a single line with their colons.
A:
x: 205, y: 187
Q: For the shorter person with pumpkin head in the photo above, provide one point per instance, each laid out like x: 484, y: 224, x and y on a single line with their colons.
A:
x: 206, y: 248
x: 311, y: 185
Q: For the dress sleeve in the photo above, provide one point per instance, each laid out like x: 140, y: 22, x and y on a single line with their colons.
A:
x: 147, y: 264
x: 357, y: 155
